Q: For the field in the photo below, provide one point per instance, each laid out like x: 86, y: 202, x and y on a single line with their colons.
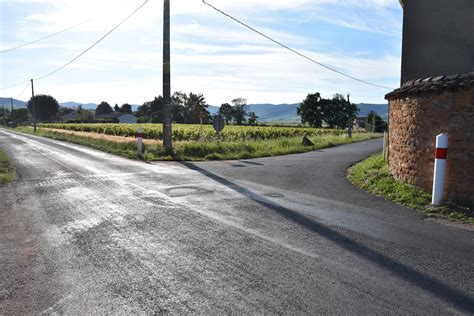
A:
x: 193, y: 142
x: 188, y: 132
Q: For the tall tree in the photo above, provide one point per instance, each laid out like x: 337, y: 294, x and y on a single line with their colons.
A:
x: 239, y: 107
x: 103, y: 108
x: 20, y: 115
x: 178, y: 107
x: 375, y: 123
x: 339, y: 111
x: 227, y: 112
x: 197, y: 109
x: 334, y: 112
x: 152, y: 109
x: 116, y: 108
x: 126, y: 108
x: 311, y: 110
x: 45, y: 106
x: 252, y: 118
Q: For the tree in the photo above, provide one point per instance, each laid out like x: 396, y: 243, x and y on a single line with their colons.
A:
x: 178, y: 107
x: 339, y: 111
x: 252, y: 118
x: 116, y: 108
x: 227, y: 112
x: 239, y: 106
x: 375, y: 123
x: 334, y: 112
x: 311, y: 110
x: 126, y: 108
x: 103, y: 108
x: 45, y: 106
x: 20, y: 116
x: 152, y: 110
x: 197, y: 109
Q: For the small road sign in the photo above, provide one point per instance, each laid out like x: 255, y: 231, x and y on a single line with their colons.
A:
x: 218, y: 123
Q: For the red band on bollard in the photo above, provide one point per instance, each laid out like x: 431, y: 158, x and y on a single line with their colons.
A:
x: 441, y: 153
x: 139, y: 135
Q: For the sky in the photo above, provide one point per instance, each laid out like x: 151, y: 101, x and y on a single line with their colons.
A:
x: 210, y: 54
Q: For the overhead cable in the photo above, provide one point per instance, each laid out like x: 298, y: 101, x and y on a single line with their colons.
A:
x: 295, y: 51
x: 94, y: 44
x: 43, y: 38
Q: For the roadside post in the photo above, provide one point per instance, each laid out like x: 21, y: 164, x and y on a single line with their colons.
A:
x: 441, y: 154
x: 385, y: 146
x: 140, y: 142
x: 219, y: 124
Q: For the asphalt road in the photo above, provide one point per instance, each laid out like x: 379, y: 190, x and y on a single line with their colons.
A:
x: 83, y: 231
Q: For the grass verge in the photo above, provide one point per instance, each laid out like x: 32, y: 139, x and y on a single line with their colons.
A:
x: 7, y: 172
x: 204, y: 150
x: 374, y: 176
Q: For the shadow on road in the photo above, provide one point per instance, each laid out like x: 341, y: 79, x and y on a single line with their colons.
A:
x: 425, y: 282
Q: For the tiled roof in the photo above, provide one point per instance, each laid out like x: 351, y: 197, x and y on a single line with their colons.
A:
x: 433, y: 85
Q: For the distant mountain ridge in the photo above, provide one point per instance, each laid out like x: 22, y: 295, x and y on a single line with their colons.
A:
x: 274, y: 113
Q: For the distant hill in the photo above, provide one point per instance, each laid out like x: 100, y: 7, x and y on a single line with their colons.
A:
x: 16, y: 103
x: 286, y: 113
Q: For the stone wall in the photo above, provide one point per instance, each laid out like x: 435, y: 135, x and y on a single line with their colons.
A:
x: 418, y: 112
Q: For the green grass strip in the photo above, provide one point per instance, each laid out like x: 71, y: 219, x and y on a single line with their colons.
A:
x: 373, y: 175
x: 7, y: 172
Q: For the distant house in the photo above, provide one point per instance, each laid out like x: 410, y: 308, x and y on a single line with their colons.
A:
x: 120, y: 117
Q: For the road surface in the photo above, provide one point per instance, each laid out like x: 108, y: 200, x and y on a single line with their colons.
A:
x: 82, y: 231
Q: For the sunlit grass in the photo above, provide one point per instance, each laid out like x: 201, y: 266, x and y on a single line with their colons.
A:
x: 374, y: 176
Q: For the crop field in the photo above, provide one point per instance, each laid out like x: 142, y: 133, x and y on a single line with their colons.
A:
x: 186, y: 132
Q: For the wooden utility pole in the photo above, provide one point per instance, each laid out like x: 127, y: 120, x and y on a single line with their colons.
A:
x: 4, y: 114
x: 33, y: 105
x: 11, y: 113
x: 349, y: 127
x: 167, y: 141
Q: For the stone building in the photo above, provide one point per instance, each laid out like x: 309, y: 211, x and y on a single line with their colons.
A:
x: 438, y: 42
x: 422, y: 109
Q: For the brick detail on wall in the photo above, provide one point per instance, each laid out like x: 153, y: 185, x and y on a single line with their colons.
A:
x: 414, y: 122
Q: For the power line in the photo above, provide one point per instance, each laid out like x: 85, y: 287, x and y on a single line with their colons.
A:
x: 43, y: 38
x: 94, y: 44
x: 14, y: 85
x: 295, y: 51
x: 26, y: 87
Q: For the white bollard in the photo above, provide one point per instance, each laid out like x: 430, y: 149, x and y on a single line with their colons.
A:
x: 140, y: 142
x: 441, y: 154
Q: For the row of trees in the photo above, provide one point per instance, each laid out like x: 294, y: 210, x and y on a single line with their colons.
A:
x: 335, y: 113
x: 237, y: 112
x: 192, y: 108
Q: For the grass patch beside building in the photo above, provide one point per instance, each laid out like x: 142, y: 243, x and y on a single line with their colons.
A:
x: 373, y: 175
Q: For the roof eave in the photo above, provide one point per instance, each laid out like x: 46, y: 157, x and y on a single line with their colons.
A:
x: 401, y: 3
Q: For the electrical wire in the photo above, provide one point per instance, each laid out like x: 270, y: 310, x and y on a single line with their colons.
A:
x: 94, y: 44
x: 43, y: 38
x: 26, y: 87
x: 13, y: 85
x: 295, y: 51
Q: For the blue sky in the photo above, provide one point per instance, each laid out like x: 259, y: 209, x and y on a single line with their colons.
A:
x: 210, y: 53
